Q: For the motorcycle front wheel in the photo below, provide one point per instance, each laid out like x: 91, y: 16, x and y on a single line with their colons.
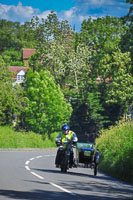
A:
x: 64, y: 164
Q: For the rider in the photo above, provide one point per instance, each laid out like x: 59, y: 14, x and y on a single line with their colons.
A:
x: 69, y: 135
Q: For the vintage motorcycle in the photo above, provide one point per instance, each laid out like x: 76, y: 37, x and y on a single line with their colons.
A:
x: 66, y: 154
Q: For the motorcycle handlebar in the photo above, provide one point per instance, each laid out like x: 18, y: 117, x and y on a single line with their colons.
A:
x: 58, y: 143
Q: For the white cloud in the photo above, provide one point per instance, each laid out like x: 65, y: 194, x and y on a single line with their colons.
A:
x: 70, y: 13
x: 82, y: 18
x: 110, y: 6
x: 44, y: 14
x: 82, y: 10
x: 99, y: 3
x: 73, y: 16
x: 95, y: 2
x: 20, y: 13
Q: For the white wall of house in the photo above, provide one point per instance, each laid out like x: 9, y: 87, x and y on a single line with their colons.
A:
x: 20, y: 77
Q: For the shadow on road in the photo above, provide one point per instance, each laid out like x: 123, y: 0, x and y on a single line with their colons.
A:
x: 58, y: 171
x: 33, y: 195
x: 97, y: 184
x: 49, y: 195
x: 104, y: 177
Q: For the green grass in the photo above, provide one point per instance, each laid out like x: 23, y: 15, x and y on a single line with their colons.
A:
x: 12, y: 139
x: 116, y: 151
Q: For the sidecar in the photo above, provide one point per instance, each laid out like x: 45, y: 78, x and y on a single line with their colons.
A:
x: 87, y: 155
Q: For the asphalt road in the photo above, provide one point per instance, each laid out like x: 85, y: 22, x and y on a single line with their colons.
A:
x: 31, y: 175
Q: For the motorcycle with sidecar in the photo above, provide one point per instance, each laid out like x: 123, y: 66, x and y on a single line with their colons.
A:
x: 86, y: 155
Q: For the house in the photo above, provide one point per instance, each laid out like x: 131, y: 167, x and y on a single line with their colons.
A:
x: 107, y: 80
x: 26, y: 53
x: 18, y: 73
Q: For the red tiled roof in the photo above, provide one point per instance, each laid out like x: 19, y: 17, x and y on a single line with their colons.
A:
x: 16, y: 69
x: 107, y: 80
x: 28, y: 52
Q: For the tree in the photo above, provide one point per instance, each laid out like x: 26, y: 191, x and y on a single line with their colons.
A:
x: 102, y: 32
x: 128, y: 36
x: 51, y: 29
x: 8, y: 37
x: 55, y: 42
x: 15, y: 36
x: 78, y: 69
x: 120, y: 90
x: 87, y: 116
x: 130, y: 10
x: 26, y: 36
x: 13, y: 57
x: 116, y: 93
x: 103, y: 35
x: 11, y: 98
x: 52, y: 58
x: 70, y: 69
x: 46, y: 108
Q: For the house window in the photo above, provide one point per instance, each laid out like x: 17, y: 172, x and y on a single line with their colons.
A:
x: 20, y: 77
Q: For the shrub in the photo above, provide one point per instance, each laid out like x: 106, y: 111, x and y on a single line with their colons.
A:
x: 11, y: 139
x: 116, y: 149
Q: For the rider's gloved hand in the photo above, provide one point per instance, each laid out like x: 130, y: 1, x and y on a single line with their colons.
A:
x: 58, y: 143
x: 74, y: 142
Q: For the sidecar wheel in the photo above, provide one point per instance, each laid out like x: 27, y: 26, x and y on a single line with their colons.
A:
x: 61, y: 169
x: 95, y: 169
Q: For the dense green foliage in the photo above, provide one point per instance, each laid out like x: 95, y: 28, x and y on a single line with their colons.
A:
x: 84, y: 79
x: 116, y: 150
x: 12, y: 139
x: 11, y: 98
x: 91, y: 70
x: 46, y: 109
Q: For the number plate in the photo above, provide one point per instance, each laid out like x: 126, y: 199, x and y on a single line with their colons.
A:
x: 87, y: 153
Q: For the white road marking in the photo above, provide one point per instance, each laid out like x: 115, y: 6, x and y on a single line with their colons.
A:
x: 39, y: 157
x: 40, y: 177
x: 32, y: 158
x: 53, y: 155
x: 27, y: 162
x: 63, y: 189
x: 36, y: 175
x: 27, y: 168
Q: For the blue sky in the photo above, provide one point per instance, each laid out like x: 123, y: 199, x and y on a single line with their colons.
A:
x: 75, y: 11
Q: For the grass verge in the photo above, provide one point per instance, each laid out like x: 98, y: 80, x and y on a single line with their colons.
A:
x: 12, y: 139
x: 116, y: 151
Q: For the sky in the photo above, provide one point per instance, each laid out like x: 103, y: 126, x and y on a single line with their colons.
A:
x: 74, y: 11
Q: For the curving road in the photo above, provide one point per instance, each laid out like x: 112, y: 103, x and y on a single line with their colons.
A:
x: 31, y: 175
